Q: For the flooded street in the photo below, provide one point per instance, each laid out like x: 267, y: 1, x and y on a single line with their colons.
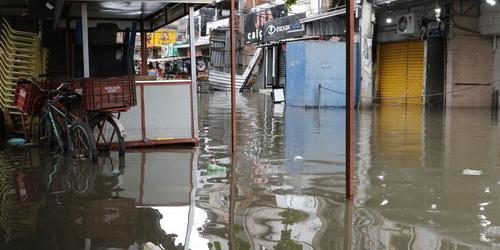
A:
x: 426, y: 179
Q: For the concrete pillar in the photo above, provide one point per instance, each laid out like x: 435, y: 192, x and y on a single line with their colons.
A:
x: 85, y: 41
x: 194, y: 86
x: 366, y: 30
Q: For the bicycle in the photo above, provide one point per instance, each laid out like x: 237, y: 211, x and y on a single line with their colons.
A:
x: 62, y: 130
x: 104, y: 100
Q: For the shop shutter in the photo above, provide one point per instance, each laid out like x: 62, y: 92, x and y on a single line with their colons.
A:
x: 401, y: 72
x: 415, y: 71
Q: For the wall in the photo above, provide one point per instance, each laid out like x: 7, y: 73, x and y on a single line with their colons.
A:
x: 469, y: 63
x: 313, y: 63
x: 388, y: 32
x: 489, y: 24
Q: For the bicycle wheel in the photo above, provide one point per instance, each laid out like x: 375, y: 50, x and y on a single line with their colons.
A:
x: 81, y: 141
x: 107, y: 133
x: 81, y: 177
x: 47, y: 135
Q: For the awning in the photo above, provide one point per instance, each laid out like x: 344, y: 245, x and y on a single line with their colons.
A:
x: 337, y: 12
x: 262, y: 45
x: 332, y: 23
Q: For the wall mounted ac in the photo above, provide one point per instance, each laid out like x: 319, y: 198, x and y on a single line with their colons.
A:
x: 407, y: 24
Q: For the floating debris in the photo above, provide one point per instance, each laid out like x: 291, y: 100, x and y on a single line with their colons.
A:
x: 298, y: 158
x: 215, y: 167
x: 472, y: 172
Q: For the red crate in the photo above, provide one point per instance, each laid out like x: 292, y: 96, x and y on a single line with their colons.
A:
x: 110, y: 93
x: 29, y: 99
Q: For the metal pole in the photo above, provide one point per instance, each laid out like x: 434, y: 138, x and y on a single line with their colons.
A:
x: 144, y: 59
x: 233, y: 192
x: 348, y: 220
x: 233, y: 76
x: 194, y: 87
x: 350, y: 101
x: 68, y: 49
x: 85, y: 41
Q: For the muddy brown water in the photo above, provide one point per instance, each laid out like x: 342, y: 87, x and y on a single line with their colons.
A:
x: 426, y: 179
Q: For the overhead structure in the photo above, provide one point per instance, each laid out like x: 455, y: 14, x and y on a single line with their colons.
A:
x: 154, y: 13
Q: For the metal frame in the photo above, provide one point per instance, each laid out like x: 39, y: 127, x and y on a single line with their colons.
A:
x: 350, y: 100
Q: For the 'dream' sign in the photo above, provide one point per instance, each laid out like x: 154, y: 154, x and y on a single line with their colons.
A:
x: 283, y: 28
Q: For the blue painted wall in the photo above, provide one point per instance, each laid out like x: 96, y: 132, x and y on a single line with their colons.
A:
x: 311, y: 63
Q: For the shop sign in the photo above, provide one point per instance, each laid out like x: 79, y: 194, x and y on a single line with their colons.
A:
x: 255, y: 21
x: 161, y: 38
x: 283, y: 28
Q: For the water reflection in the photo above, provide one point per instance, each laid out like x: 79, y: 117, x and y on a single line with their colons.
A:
x: 54, y: 202
x: 426, y: 179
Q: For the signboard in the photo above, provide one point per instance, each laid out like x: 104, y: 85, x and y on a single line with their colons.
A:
x: 161, y: 38
x: 255, y: 21
x: 283, y: 28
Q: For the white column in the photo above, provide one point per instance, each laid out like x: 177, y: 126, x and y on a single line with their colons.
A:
x: 85, y: 41
x: 266, y: 67
x: 273, y: 73
x: 194, y: 89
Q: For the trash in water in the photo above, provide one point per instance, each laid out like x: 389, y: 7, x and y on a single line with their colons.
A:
x: 472, y: 172
x: 215, y: 167
x: 298, y: 158
x: 384, y: 202
x: 16, y: 141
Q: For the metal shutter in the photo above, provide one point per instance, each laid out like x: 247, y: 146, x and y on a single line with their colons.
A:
x: 401, y: 72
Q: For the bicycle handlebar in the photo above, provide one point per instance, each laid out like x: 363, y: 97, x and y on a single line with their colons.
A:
x: 42, y: 89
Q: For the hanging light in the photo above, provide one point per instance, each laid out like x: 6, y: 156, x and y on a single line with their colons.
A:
x: 388, y: 17
x: 437, y: 10
x: 491, y: 2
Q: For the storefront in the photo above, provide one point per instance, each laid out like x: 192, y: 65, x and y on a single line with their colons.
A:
x: 272, y: 36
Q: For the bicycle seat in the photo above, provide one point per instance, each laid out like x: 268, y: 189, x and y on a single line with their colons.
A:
x: 69, y: 98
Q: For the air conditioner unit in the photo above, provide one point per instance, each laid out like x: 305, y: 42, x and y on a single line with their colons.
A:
x: 407, y: 24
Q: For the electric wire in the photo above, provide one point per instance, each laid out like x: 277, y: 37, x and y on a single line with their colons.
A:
x: 402, y: 98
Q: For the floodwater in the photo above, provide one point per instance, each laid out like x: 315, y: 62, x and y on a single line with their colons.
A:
x: 426, y: 179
